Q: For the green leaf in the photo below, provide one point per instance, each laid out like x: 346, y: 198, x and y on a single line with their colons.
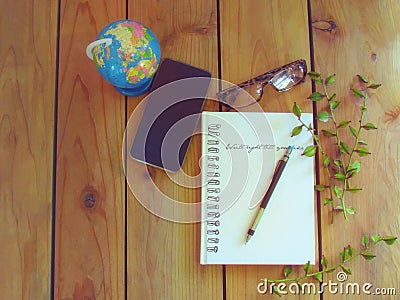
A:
x: 330, y: 80
x: 350, y: 210
x: 369, y: 126
x: 332, y: 96
x: 362, y: 142
x: 338, y: 191
x: 287, y: 271
x: 334, y: 104
x: 307, y: 267
x: 351, y: 171
x: 297, y: 130
x: 328, y: 201
x: 346, y: 270
x: 389, y: 240
x: 328, y: 132
x: 353, y: 131
x: 343, y: 124
x: 368, y: 255
x: 320, y: 187
x: 351, y: 251
x: 327, y: 161
x: 336, y: 162
x: 318, y: 276
x: 354, y: 189
x: 376, y: 238
x: 365, y: 241
x: 316, y: 96
x: 296, y: 110
x: 323, y: 116
x: 362, y: 151
x: 309, y: 151
x: 276, y: 291
x: 362, y: 78
x: 342, y: 255
x: 344, y: 147
x: 374, y: 86
x: 357, y: 93
x: 350, y: 174
x: 324, y: 261
x: 346, y: 253
x: 340, y: 176
x: 353, y: 168
x: 314, y: 75
x: 355, y: 165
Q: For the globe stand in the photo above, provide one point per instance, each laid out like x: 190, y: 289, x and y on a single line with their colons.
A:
x: 135, y: 91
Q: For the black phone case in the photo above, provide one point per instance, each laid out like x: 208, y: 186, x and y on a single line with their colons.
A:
x: 171, y: 114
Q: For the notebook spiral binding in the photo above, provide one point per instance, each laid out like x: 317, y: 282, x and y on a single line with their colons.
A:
x: 213, y: 188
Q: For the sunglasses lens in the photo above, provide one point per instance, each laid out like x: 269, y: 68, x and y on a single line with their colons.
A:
x: 288, y: 78
x: 245, y: 96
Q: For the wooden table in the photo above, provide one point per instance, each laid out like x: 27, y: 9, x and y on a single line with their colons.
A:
x: 70, y: 227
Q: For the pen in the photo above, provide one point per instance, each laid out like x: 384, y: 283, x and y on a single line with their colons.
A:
x: 275, y: 178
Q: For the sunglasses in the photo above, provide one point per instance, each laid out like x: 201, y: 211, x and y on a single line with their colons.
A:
x: 251, y: 91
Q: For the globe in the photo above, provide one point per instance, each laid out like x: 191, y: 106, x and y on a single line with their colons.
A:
x: 127, y: 54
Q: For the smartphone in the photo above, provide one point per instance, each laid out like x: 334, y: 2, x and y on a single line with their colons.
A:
x: 171, y: 114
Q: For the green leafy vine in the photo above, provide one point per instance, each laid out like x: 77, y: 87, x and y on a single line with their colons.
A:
x: 339, y: 167
x: 348, y: 254
x: 339, y: 170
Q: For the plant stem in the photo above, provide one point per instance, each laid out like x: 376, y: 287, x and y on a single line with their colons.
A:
x: 343, y: 167
x: 361, y: 121
x: 328, y: 269
x: 342, y: 163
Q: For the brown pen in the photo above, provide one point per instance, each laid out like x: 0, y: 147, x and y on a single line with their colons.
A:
x: 275, y: 178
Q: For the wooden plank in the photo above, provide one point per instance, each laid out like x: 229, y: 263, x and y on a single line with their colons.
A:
x: 163, y: 256
x: 27, y: 68
x: 362, y: 37
x: 257, y: 36
x: 90, y: 235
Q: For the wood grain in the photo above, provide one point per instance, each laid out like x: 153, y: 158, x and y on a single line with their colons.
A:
x: 349, y: 37
x: 256, y: 37
x: 90, y: 235
x: 27, y: 81
x: 163, y: 256
x: 362, y: 37
x: 259, y: 36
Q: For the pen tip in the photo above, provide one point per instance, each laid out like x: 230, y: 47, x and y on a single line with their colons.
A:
x: 247, y: 239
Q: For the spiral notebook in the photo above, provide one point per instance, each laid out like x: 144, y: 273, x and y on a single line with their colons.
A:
x: 239, y: 154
